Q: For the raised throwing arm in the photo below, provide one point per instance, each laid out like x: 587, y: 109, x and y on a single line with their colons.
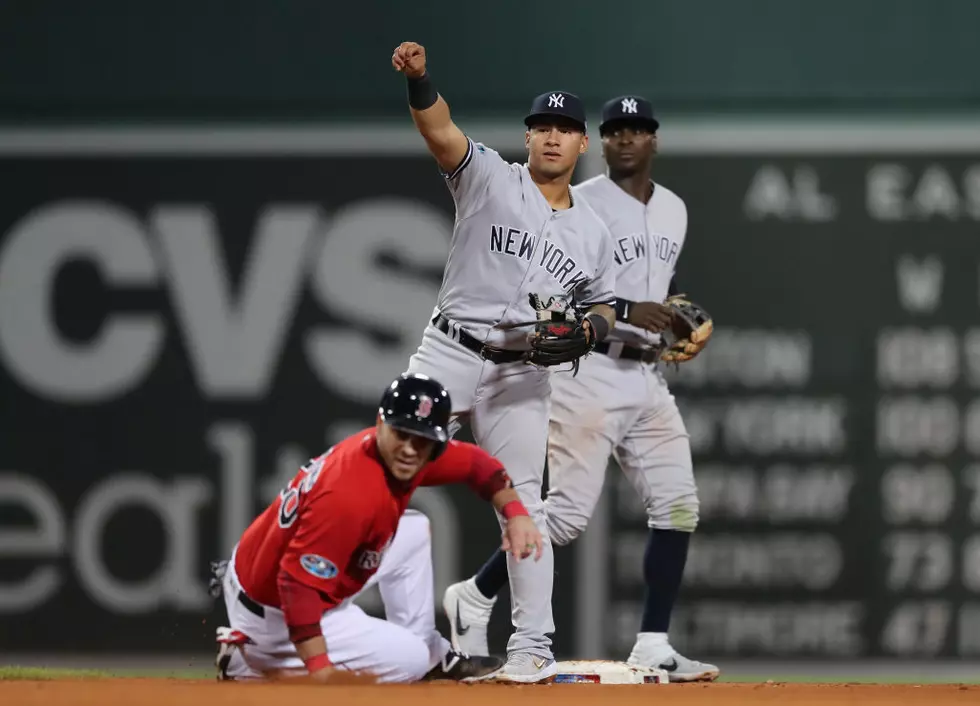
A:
x: 445, y: 140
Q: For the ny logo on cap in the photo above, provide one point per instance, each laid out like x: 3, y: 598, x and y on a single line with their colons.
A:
x: 556, y: 100
x: 425, y: 406
x: 629, y: 105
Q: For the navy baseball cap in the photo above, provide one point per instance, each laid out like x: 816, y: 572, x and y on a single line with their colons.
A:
x: 560, y: 103
x: 632, y: 109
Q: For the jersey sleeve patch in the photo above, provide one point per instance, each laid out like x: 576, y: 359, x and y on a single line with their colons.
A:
x: 318, y: 566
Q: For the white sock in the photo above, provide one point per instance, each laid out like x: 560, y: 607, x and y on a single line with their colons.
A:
x: 473, y: 593
x: 654, y: 639
x: 653, y: 645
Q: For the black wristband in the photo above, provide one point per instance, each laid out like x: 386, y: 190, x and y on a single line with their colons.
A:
x: 600, y: 327
x: 623, y: 307
x: 421, y: 93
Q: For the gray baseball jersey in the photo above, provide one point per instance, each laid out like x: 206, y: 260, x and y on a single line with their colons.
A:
x: 647, y: 242
x: 621, y: 407
x: 508, y: 243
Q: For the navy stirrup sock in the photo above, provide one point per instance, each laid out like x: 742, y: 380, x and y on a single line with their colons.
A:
x: 663, y: 569
x: 492, y: 576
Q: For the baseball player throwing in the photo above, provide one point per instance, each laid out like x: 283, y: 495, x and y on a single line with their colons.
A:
x: 523, y: 249
x: 619, y: 403
x: 289, y: 585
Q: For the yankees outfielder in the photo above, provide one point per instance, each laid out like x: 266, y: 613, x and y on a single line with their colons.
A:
x: 520, y: 238
x: 619, y: 403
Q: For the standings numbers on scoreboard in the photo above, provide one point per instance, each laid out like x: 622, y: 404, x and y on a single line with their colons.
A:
x: 927, y: 408
x: 927, y: 439
x: 931, y: 559
x: 937, y: 357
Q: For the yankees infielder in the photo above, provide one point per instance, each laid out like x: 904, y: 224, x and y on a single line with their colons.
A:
x: 518, y: 231
x: 619, y: 403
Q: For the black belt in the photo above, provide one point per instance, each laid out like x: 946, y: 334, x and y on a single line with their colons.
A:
x: 250, y: 605
x: 644, y: 355
x: 494, y: 355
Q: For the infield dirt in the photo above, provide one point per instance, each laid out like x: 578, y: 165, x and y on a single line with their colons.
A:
x: 170, y: 692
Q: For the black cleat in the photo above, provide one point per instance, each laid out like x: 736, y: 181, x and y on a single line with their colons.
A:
x: 456, y: 666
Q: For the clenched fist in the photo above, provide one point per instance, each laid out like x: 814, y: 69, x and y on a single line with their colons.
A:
x: 409, y: 58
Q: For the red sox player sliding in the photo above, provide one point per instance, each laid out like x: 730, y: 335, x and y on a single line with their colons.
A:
x: 342, y: 525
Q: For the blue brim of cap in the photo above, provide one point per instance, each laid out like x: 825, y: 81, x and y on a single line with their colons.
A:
x: 652, y: 122
x: 530, y: 119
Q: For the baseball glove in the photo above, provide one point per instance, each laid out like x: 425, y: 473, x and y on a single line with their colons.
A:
x: 690, y: 330
x: 558, y: 336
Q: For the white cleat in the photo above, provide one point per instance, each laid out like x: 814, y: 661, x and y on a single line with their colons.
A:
x: 678, y: 667
x: 468, y: 612
x: 525, y: 668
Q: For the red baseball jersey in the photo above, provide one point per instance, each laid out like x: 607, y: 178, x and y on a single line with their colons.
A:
x: 330, y: 527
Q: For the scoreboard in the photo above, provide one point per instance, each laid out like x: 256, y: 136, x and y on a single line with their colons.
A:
x: 834, y: 417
